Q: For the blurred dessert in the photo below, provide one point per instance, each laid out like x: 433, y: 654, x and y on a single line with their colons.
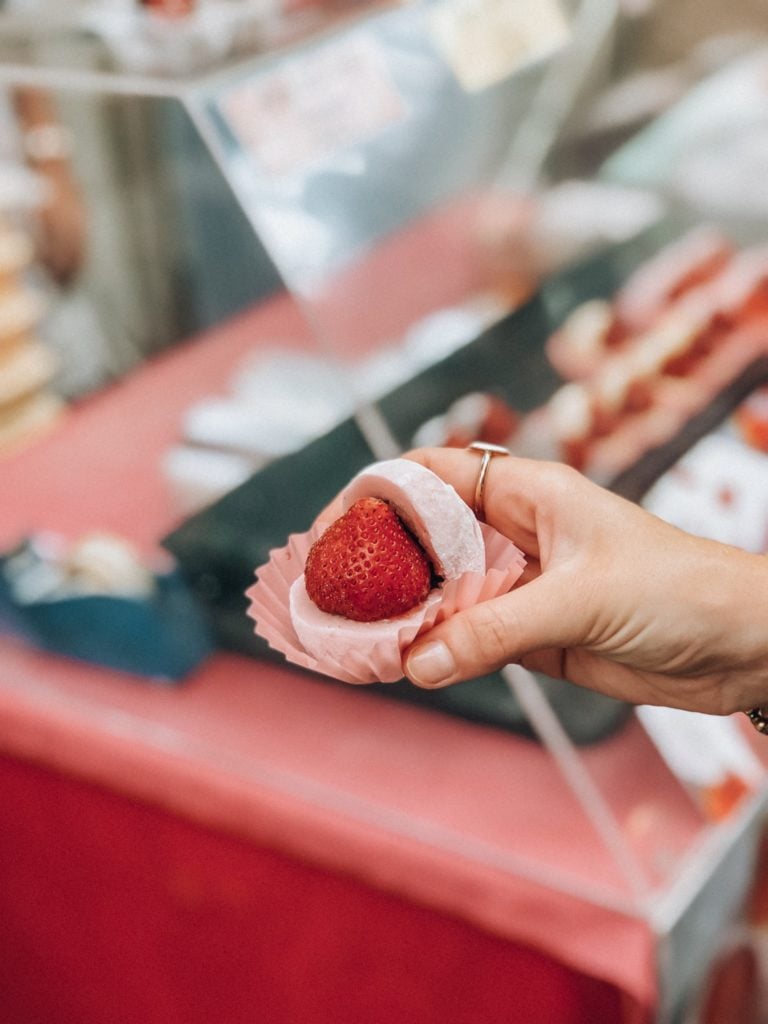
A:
x: 690, y: 261
x: 588, y: 333
x: 398, y: 550
x: 28, y: 404
x: 476, y: 416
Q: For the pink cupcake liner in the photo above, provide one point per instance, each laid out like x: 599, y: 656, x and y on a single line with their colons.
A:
x: 381, y: 662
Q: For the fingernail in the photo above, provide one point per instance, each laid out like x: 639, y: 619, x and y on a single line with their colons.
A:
x: 431, y: 664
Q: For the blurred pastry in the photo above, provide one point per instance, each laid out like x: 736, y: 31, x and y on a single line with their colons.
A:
x: 587, y: 334
x: 690, y: 261
x: 20, y: 311
x: 24, y: 369
x: 476, y: 416
x: 27, y: 418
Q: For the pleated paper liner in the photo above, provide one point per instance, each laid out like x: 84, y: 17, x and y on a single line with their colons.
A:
x: 381, y: 662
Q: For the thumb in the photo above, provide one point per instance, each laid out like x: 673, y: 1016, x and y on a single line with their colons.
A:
x: 537, y: 616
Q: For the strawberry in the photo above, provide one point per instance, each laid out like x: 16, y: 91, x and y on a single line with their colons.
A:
x: 367, y: 566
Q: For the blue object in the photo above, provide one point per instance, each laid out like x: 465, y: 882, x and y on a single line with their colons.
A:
x: 163, y: 636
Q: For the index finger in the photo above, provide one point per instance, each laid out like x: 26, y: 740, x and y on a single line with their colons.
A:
x: 513, y: 488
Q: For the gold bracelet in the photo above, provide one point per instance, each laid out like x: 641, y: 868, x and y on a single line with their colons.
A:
x: 758, y: 718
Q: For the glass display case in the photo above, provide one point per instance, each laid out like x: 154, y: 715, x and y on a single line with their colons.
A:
x: 368, y: 155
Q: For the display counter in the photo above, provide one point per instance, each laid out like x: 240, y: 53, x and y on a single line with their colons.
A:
x: 257, y: 844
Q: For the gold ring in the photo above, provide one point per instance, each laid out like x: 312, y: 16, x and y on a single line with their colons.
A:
x: 488, y: 451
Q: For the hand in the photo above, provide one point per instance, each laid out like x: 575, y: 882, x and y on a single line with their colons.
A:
x: 613, y: 598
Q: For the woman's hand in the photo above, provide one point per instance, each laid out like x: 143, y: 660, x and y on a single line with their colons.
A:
x: 613, y: 598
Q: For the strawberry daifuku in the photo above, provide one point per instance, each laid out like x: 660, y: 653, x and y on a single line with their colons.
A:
x: 404, y: 546
x: 420, y: 534
x: 367, y: 566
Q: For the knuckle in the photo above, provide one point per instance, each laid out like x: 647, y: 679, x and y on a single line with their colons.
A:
x: 488, y: 634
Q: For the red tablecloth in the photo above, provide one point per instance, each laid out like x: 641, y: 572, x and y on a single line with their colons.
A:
x: 259, y: 837
x: 116, y: 911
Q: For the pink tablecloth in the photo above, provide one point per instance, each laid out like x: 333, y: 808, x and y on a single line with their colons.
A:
x: 452, y: 816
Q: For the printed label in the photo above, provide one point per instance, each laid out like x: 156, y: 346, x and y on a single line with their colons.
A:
x: 484, y: 41
x: 314, y: 105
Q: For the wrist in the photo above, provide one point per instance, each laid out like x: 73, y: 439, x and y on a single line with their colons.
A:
x: 747, y: 621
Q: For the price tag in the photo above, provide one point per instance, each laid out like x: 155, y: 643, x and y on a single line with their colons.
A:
x: 484, y: 41
x: 314, y: 105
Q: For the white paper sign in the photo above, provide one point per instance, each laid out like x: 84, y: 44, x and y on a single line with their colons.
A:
x: 701, y: 750
x: 311, y: 106
x: 484, y: 41
x: 719, y: 489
